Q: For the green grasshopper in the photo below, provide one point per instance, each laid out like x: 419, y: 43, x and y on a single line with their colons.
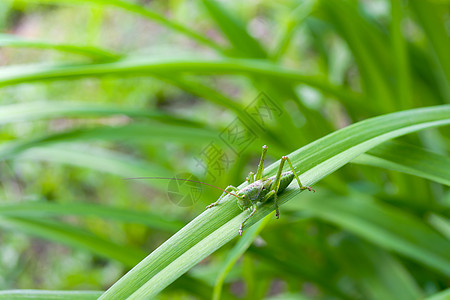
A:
x: 262, y: 189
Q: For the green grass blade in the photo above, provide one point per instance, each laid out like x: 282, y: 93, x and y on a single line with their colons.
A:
x: 146, y: 13
x: 210, y: 94
x: 49, y: 209
x: 299, y: 269
x: 102, y: 160
x: 408, y: 159
x: 133, y: 67
x: 444, y: 295
x: 378, y: 274
x: 74, y: 237
x: 215, y: 227
x: 246, y: 46
x: 367, y: 45
x: 48, y: 295
x: 38, y: 110
x: 400, y: 53
x: 235, y: 31
x: 183, y: 263
x: 389, y: 227
x: 441, y: 224
x: 296, y: 17
x: 7, y: 40
x: 238, y: 250
x: 148, y: 133
x: 432, y: 17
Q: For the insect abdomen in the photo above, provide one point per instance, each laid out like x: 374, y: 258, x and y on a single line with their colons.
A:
x: 286, y: 179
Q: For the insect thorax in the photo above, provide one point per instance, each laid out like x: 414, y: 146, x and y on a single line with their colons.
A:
x: 257, y: 191
x: 250, y: 194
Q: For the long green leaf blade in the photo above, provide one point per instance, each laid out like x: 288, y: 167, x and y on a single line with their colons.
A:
x: 386, y: 226
x: 75, y: 237
x: 48, y: 295
x: 408, y: 159
x: 7, y: 40
x: 234, y: 29
x: 215, y: 227
x: 50, y: 209
x: 133, y: 67
x: 38, y: 110
x: 379, y: 275
x: 144, y: 12
x: 241, y: 246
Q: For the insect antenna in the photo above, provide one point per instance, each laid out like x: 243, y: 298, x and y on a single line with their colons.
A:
x: 182, y: 179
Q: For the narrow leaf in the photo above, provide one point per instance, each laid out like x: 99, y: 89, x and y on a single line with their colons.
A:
x: 7, y: 40
x: 49, y: 209
x: 74, y: 237
x: 408, y: 159
x: 215, y: 227
x: 241, y: 246
x: 48, y: 295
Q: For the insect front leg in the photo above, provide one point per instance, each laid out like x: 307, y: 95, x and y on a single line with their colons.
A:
x: 249, y: 216
x: 259, y: 172
x: 251, y: 177
x: 228, y: 189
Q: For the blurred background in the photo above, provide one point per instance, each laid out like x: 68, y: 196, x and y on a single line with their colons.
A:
x: 96, y: 91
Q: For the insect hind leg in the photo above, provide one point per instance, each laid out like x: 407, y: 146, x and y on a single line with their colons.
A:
x: 276, y: 185
x: 302, y: 187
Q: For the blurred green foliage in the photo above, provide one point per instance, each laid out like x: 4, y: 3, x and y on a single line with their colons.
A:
x: 94, y: 91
